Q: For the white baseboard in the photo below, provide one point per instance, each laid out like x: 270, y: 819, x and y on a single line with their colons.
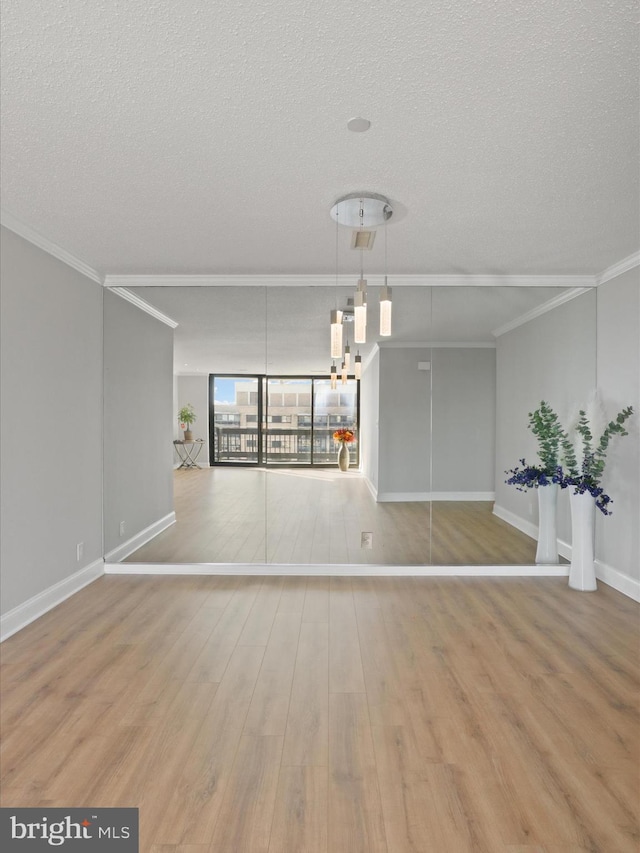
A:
x: 390, y: 497
x: 528, y: 527
x: 371, y: 488
x: 30, y: 610
x: 463, y: 496
x: 140, y: 539
x: 343, y: 570
x: 516, y: 521
x: 618, y: 580
x: 607, y: 574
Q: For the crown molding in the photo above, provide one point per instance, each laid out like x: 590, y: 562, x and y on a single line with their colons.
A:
x: 436, y: 345
x: 380, y: 345
x: 348, y: 280
x: 539, y: 310
x: 621, y: 267
x: 9, y: 221
x: 434, y: 280
x: 134, y: 299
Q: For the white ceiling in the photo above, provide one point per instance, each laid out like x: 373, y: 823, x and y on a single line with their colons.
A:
x: 210, y: 137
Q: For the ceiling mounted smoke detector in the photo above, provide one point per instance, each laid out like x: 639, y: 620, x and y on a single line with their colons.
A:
x: 358, y: 124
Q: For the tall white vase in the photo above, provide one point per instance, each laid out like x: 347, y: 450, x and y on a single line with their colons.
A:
x: 547, y: 550
x: 582, y: 573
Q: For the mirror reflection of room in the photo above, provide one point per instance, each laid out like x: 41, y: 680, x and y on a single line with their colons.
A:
x: 439, y: 413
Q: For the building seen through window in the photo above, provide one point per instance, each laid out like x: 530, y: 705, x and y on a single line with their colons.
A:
x: 298, y: 417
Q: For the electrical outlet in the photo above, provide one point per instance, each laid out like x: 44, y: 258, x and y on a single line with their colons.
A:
x: 122, y: 528
x: 366, y: 540
x: 79, y: 551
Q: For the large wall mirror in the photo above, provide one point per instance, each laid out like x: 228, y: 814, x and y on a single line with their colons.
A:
x: 440, y: 411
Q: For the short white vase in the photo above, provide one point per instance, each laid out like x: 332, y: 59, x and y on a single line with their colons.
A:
x: 547, y: 550
x: 582, y: 573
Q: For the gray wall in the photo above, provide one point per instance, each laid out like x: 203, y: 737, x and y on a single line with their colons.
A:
x: 455, y: 399
x: 51, y: 408
x: 138, y: 422
x: 551, y: 358
x: 404, y: 425
x: 195, y: 390
x: 464, y: 416
x: 617, y: 536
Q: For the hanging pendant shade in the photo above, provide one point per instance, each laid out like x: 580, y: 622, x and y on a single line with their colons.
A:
x: 336, y: 334
x: 385, y: 310
x: 347, y: 356
x: 334, y: 377
x: 360, y: 313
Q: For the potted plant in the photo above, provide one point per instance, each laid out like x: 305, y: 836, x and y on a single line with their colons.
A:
x: 552, y: 443
x: 187, y: 416
x: 584, y: 466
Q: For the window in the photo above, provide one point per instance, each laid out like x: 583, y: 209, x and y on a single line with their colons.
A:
x: 227, y: 418
x: 278, y: 419
x: 340, y: 420
x: 286, y: 421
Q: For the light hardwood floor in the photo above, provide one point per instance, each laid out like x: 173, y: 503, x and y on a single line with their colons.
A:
x: 244, y: 515
x: 333, y: 715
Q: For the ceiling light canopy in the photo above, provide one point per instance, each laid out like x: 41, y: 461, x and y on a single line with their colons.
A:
x: 362, y: 210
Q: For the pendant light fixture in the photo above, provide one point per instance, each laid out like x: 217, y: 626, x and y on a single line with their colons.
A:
x: 336, y: 333
x: 334, y: 377
x: 347, y: 356
x: 363, y: 212
x: 360, y: 312
x: 336, y: 314
x: 360, y: 299
x: 385, y: 297
x: 385, y: 310
x: 344, y: 375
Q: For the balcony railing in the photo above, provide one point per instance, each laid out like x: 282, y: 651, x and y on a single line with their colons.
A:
x: 280, y: 446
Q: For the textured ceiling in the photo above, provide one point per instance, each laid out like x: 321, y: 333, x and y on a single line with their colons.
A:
x: 210, y: 137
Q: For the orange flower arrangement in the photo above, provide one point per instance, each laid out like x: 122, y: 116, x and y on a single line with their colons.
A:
x: 345, y: 436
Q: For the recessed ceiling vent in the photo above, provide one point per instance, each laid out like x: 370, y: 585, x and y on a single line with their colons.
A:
x: 362, y: 239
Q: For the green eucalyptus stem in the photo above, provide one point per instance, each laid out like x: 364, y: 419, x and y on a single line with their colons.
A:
x: 545, y: 425
x: 594, y: 457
